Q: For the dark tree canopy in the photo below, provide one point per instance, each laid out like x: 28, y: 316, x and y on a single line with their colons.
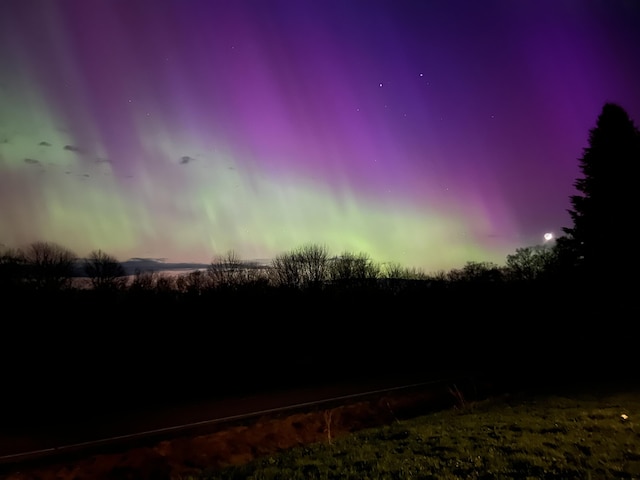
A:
x: 51, y: 266
x: 605, y: 210
x: 104, y: 270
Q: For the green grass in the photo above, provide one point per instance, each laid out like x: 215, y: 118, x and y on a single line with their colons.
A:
x: 577, y: 436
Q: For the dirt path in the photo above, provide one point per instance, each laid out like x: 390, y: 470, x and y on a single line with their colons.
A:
x: 236, y: 443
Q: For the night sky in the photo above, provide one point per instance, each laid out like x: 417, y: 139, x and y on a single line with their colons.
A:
x: 428, y: 133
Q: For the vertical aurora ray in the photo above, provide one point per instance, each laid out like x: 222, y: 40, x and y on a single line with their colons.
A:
x: 427, y: 133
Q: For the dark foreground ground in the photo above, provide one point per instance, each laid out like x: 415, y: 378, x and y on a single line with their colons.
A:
x: 570, y: 431
x: 67, y: 357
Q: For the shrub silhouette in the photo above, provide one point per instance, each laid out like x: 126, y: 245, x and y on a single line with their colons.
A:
x: 352, y: 269
x: 51, y: 267
x: 104, y: 271
x: 303, y: 267
x: 531, y: 263
x: 13, y: 265
x: 230, y: 271
x: 193, y: 283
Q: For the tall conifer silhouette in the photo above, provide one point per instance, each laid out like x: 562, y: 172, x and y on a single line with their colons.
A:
x: 606, y: 209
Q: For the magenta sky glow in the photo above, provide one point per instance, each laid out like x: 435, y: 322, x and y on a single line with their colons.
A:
x: 429, y: 133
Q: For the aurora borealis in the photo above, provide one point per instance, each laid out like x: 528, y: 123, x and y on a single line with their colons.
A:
x: 428, y: 133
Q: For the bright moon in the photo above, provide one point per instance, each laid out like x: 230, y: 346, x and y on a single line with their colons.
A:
x: 548, y: 236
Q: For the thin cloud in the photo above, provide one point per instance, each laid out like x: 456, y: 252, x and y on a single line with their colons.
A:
x: 31, y: 161
x: 72, y: 148
x: 147, y: 259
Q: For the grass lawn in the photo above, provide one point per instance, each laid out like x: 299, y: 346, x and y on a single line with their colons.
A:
x: 573, y: 435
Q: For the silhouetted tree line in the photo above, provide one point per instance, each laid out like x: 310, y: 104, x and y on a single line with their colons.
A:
x: 310, y: 316
x: 47, y: 266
